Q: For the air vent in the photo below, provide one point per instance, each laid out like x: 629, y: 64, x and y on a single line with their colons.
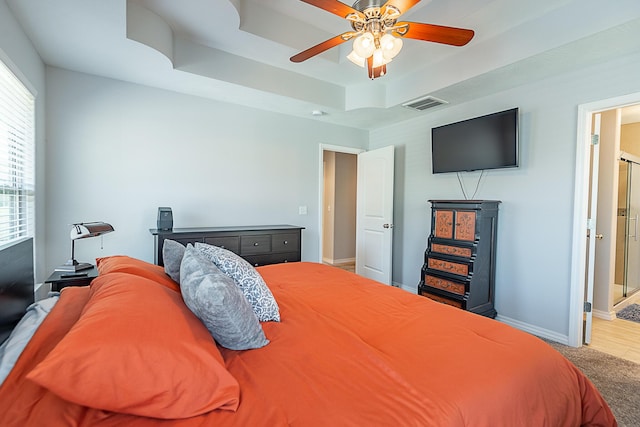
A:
x: 424, y: 103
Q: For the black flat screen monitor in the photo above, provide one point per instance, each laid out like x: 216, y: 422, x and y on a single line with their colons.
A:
x: 486, y: 142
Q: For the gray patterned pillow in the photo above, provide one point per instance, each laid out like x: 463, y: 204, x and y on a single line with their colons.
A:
x: 172, y: 253
x: 247, y: 278
x: 216, y: 300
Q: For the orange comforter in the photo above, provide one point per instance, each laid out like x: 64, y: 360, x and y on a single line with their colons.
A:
x: 352, y: 352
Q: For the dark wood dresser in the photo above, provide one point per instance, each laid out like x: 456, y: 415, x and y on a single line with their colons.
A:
x: 460, y: 260
x: 259, y: 245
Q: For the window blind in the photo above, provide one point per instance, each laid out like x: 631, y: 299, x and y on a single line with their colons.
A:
x: 17, y: 160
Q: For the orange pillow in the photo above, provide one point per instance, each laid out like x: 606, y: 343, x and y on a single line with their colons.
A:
x: 125, y: 264
x: 137, y: 349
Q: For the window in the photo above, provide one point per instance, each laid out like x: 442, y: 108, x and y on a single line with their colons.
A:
x: 17, y: 164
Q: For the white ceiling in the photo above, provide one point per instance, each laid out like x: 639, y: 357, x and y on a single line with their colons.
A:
x: 238, y: 50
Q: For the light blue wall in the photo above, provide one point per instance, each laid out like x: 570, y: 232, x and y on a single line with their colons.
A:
x: 22, y: 58
x: 118, y: 151
x: 536, y: 214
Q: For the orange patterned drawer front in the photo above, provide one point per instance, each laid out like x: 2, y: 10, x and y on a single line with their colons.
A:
x: 443, y: 300
x: 465, y: 225
x: 444, y: 224
x: 445, y: 285
x: 449, y: 267
x: 451, y: 250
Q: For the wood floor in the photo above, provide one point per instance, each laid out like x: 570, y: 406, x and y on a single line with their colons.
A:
x: 620, y: 338
x: 349, y: 266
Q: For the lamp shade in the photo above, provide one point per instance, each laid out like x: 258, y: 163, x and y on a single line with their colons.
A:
x: 89, y: 229
x: 358, y: 60
x: 379, y: 59
x: 364, y: 45
x: 390, y: 46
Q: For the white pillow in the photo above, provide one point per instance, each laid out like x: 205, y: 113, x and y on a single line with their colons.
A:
x: 247, y: 278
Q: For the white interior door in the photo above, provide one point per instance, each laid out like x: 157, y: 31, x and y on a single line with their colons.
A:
x: 374, y: 212
x: 591, y: 228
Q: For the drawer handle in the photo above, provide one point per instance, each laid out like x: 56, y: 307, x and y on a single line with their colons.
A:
x: 285, y: 242
x: 255, y: 244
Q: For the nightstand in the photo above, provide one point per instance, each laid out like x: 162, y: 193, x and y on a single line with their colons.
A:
x: 61, y: 279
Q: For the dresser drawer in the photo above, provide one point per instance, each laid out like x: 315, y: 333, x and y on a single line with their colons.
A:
x: 283, y: 242
x: 451, y: 267
x: 445, y: 285
x: 441, y: 248
x: 266, y: 259
x: 230, y: 243
x: 255, y: 244
x: 442, y: 299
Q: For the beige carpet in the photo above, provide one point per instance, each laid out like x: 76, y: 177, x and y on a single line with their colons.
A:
x: 617, y: 379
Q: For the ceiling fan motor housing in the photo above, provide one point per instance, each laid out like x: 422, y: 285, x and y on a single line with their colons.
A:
x: 373, y: 20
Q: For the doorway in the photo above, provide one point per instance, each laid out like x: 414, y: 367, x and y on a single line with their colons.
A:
x: 339, y: 209
x: 603, y: 290
x: 328, y: 181
x: 374, y: 210
x: 617, y: 260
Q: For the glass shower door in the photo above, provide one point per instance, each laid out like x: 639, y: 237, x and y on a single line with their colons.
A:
x: 632, y: 262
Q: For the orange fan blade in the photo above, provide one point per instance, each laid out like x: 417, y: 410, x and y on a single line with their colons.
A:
x: 335, y: 7
x: 375, y: 72
x: 321, y: 47
x: 401, y: 5
x: 434, y: 33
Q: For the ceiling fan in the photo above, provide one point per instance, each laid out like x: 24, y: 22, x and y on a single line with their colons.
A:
x: 375, y: 23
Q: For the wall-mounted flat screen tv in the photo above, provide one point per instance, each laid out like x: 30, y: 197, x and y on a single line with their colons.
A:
x: 486, y: 142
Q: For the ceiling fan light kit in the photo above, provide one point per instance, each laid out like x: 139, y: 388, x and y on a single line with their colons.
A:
x: 375, y: 23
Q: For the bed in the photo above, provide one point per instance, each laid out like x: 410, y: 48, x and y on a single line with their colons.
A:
x: 342, y: 351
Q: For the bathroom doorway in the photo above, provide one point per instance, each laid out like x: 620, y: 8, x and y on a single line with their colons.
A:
x: 593, y: 278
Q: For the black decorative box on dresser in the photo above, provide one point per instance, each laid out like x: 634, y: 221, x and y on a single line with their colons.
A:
x: 460, y: 260
x: 259, y: 245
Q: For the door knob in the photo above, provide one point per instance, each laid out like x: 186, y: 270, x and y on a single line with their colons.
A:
x: 387, y: 225
x: 599, y: 236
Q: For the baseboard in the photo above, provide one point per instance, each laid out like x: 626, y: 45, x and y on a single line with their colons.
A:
x: 534, y: 330
x: 526, y: 327
x: 606, y: 315
x: 409, y: 288
x: 633, y: 299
